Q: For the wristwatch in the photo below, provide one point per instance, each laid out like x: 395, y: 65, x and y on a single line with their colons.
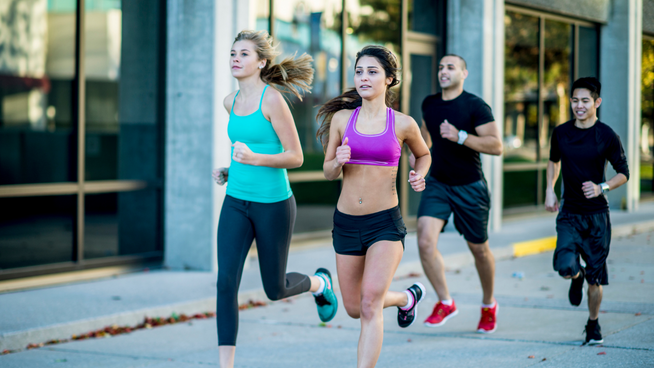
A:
x: 605, y: 187
x: 463, y: 135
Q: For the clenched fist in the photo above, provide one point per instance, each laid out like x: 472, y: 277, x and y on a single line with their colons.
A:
x: 243, y: 154
x: 417, y: 181
x: 343, y: 153
x: 448, y: 131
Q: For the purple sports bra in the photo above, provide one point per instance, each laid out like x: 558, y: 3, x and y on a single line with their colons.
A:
x: 381, y: 149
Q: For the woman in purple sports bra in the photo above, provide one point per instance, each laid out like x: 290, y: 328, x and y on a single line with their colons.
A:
x: 362, y: 138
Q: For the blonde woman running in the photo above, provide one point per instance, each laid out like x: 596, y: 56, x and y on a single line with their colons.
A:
x: 363, y: 139
x: 259, y: 202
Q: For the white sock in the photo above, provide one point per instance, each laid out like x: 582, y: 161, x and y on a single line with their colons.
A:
x: 321, y: 288
x: 488, y: 305
x: 447, y: 302
x: 409, y: 298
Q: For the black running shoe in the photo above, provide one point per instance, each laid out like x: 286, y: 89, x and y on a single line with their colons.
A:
x: 593, y: 332
x: 576, y: 292
x: 406, y: 317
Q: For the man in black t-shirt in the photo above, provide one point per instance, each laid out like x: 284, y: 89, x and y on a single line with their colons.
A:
x: 580, y: 149
x: 457, y: 126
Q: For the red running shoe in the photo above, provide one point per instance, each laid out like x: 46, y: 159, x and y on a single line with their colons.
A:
x: 488, y: 321
x: 441, y: 314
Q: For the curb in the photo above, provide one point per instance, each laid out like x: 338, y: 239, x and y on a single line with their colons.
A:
x: 20, y: 339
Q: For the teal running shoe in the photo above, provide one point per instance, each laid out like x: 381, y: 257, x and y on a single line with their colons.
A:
x: 326, y: 302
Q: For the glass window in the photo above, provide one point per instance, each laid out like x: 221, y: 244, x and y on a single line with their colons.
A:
x: 372, y: 22
x: 422, y: 15
x: 121, y: 224
x: 262, y: 14
x: 36, y: 230
x: 647, y: 121
x: 520, y: 89
x: 122, y: 75
x: 37, y: 66
x: 588, y: 64
x: 313, y: 28
x: 557, y: 80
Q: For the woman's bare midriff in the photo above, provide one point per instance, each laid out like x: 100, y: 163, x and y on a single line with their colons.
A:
x: 367, y: 189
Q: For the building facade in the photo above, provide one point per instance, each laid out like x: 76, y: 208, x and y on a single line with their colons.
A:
x: 108, y: 136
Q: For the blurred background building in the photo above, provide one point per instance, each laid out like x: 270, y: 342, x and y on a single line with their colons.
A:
x: 111, y: 116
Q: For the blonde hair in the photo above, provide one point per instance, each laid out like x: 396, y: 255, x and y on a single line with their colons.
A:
x: 350, y: 99
x: 293, y: 76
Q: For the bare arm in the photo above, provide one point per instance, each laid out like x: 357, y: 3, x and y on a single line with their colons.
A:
x: 592, y: 190
x: 276, y: 110
x: 336, y: 154
x: 487, y: 140
x: 414, y: 138
x: 551, y: 201
x: 425, y: 134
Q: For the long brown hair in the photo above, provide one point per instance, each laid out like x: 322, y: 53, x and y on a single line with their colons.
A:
x: 351, y: 99
x: 292, y: 75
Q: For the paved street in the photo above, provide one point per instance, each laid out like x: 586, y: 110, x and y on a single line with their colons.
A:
x: 536, y: 326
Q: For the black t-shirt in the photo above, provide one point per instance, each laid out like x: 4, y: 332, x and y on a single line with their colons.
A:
x: 583, y: 154
x: 453, y: 163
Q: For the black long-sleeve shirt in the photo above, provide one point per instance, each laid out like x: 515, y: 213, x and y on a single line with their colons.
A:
x: 583, y: 154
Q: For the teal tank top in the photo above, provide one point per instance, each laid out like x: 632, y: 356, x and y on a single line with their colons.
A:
x: 256, y: 183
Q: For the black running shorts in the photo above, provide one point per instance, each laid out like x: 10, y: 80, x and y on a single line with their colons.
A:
x: 588, y: 236
x: 470, y: 204
x: 353, y: 235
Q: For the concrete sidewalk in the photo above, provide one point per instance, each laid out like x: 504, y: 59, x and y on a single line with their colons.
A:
x: 540, y: 317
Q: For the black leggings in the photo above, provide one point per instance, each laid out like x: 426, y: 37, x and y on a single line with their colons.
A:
x: 240, y: 222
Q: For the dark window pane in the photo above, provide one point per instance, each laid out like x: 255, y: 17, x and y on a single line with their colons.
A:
x: 37, y: 52
x: 520, y: 88
x: 647, y: 122
x: 36, y: 230
x: 520, y: 188
x: 121, y: 224
x: 422, y: 77
x: 557, y: 81
x: 312, y: 28
x: 588, y: 63
x: 122, y: 70
x: 426, y: 16
x: 377, y: 22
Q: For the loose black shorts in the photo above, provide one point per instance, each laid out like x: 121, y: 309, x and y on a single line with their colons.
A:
x: 470, y: 204
x: 588, y: 236
x: 353, y: 235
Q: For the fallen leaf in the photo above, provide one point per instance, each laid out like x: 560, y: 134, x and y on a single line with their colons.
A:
x: 602, y: 353
x: 531, y: 357
x: 638, y: 314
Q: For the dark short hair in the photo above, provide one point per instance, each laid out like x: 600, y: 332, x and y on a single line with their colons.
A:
x: 463, y: 61
x: 590, y: 83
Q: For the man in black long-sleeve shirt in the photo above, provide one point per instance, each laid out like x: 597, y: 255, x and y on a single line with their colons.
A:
x: 583, y: 226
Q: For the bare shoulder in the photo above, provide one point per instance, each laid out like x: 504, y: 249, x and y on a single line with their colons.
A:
x: 340, y: 118
x: 404, y: 123
x: 273, y: 97
x: 229, y: 100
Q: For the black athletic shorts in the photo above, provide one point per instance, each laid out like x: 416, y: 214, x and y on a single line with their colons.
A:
x: 470, y: 204
x: 353, y: 235
x: 588, y: 236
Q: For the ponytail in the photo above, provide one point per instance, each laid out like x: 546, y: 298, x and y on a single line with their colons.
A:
x: 292, y: 76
